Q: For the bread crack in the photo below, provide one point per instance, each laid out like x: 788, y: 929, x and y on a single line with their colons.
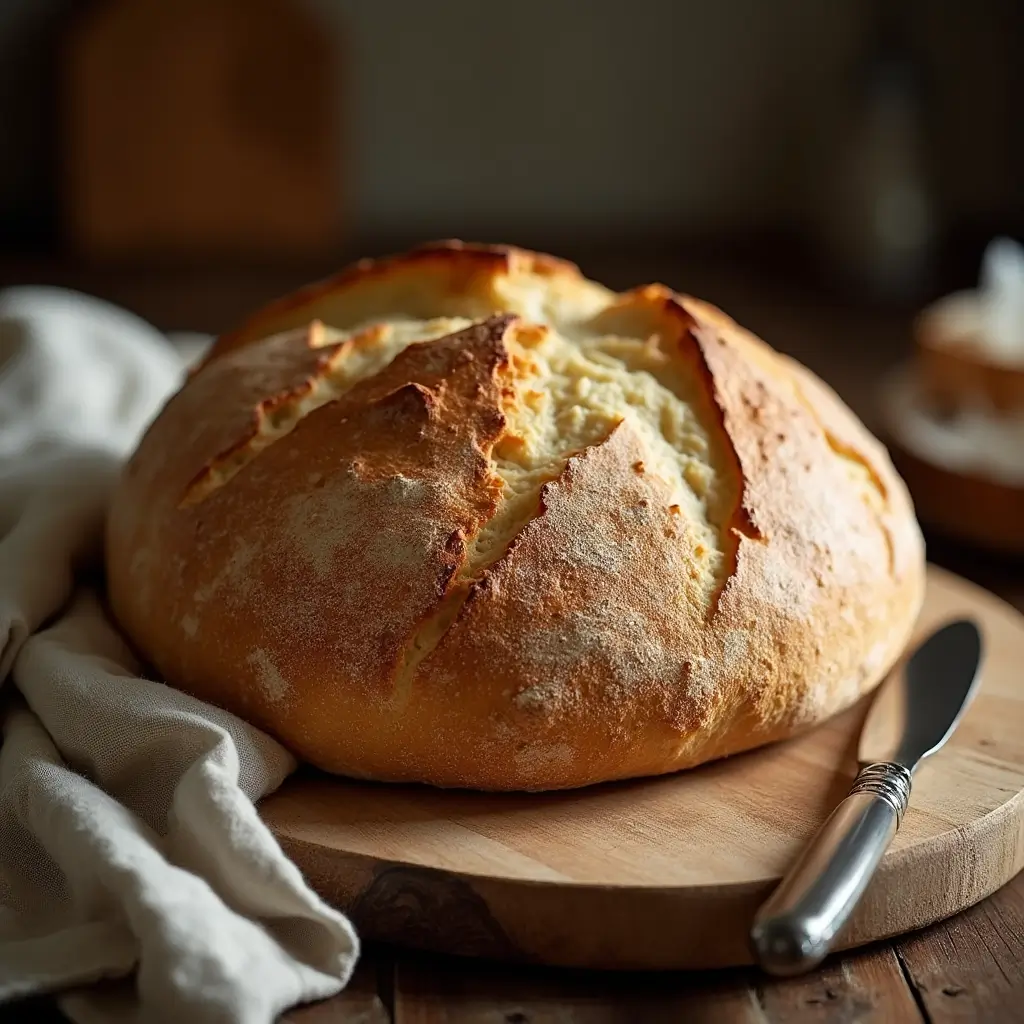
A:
x: 350, y: 357
x: 427, y: 637
x: 565, y: 396
x: 569, y: 395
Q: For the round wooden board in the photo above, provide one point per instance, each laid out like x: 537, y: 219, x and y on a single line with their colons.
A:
x: 667, y: 872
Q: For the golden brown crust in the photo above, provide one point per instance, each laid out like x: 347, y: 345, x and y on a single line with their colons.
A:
x: 441, y: 274
x: 314, y: 566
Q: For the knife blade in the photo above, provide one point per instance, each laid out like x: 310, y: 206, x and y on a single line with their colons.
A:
x: 916, y: 710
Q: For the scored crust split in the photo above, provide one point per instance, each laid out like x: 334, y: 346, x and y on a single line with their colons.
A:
x: 464, y: 517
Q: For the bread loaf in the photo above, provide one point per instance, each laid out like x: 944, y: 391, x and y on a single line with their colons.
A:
x: 464, y: 517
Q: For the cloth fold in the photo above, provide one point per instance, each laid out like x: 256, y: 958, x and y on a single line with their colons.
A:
x: 130, y: 847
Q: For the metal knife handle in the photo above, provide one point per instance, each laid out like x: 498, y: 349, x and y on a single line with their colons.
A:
x: 794, y: 930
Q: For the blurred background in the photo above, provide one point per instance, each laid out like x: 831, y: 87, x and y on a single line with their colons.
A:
x: 822, y: 170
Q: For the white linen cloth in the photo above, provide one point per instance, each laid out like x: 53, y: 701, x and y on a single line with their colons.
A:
x: 129, y: 844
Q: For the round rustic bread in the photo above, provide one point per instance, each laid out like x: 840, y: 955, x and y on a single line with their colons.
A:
x: 464, y: 517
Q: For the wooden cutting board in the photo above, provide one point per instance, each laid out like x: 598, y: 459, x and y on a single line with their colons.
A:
x: 667, y: 873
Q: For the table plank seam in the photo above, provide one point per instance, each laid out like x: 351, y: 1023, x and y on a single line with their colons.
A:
x: 915, y: 992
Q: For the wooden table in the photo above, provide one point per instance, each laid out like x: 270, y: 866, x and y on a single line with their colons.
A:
x: 967, y: 969
x: 970, y: 968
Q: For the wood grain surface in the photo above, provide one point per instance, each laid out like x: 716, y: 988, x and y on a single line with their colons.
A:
x: 966, y: 969
x: 667, y: 873
x: 949, y: 973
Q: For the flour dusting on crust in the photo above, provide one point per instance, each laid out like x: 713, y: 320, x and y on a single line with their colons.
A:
x: 272, y: 684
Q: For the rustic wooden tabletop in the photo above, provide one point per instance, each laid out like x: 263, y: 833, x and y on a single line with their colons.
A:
x: 969, y: 968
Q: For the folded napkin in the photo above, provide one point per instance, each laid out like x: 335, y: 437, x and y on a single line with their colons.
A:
x: 135, y: 875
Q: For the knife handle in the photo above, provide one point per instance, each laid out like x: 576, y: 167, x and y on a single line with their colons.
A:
x: 794, y: 930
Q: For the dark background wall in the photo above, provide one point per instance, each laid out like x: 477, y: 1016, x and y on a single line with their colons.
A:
x: 556, y: 121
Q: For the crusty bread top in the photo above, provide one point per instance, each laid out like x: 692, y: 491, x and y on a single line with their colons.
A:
x: 448, y: 278
x: 465, y: 517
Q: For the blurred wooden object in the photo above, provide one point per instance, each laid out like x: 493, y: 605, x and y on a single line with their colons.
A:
x: 961, y: 493
x: 954, y: 364
x: 955, y: 373
x: 972, y: 509
x: 201, y: 128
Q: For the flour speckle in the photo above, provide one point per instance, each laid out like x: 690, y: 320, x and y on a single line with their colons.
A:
x: 234, y: 574
x: 608, y: 641
x: 594, y: 552
x: 272, y: 684
x: 701, y: 678
x: 538, y: 696
x: 334, y: 519
x: 735, y: 650
x: 542, y: 755
x: 787, y: 586
x: 404, y: 488
x: 190, y: 625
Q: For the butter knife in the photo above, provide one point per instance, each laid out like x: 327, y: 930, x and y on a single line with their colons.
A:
x: 915, y: 711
